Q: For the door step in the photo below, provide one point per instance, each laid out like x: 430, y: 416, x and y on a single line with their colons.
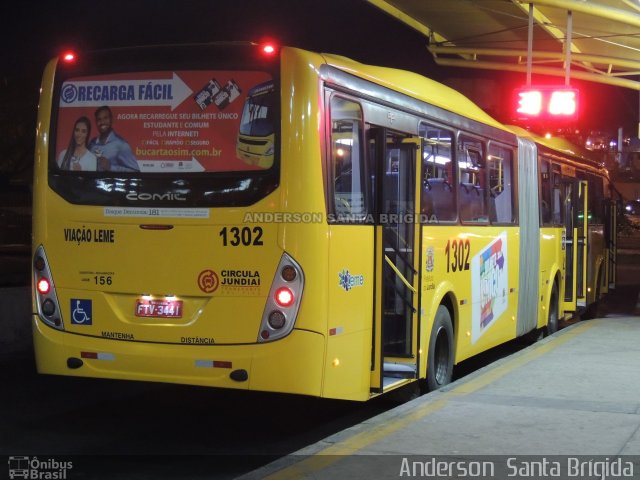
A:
x: 399, y: 370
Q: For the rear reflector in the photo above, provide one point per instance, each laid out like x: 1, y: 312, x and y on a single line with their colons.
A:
x: 98, y: 356
x: 213, y: 364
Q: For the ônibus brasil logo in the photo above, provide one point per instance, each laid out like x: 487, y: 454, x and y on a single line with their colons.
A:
x: 35, y: 468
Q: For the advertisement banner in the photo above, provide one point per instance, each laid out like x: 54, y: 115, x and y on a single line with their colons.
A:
x: 489, y: 286
x: 164, y: 121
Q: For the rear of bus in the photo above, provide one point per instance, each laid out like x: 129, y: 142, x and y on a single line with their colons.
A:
x: 172, y: 268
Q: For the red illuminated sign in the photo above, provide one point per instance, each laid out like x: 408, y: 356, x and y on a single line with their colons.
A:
x: 546, y: 103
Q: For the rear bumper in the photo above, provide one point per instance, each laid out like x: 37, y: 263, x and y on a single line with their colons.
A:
x: 291, y: 365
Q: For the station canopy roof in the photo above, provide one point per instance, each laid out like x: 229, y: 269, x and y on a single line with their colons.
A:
x: 604, y: 35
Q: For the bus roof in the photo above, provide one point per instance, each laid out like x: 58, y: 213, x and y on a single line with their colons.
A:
x: 559, y: 144
x: 416, y: 86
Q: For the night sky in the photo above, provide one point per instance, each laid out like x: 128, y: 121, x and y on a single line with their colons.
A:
x: 34, y: 31
x: 349, y: 27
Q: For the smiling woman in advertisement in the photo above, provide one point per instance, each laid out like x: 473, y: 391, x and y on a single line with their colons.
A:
x: 77, y: 155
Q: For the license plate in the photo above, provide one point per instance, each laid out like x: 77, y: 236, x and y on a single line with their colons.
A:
x: 159, y: 308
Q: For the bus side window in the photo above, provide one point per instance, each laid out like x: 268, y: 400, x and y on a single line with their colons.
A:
x: 557, y: 201
x: 633, y: 162
x: 545, y: 192
x: 347, y: 161
x: 438, y: 202
x: 472, y: 184
x: 500, y: 200
x: 595, y: 195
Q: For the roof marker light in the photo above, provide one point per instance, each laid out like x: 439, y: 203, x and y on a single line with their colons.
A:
x: 69, y: 57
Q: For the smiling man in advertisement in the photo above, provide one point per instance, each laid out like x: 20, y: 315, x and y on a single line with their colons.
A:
x: 113, y: 152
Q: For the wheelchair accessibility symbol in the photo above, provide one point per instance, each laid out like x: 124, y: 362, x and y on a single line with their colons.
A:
x: 81, y: 312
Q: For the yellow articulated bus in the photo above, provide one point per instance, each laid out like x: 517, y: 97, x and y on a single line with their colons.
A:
x: 393, y: 231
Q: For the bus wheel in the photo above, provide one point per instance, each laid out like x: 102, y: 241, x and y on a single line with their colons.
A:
x: 552, y: 322
x: 440, y: 359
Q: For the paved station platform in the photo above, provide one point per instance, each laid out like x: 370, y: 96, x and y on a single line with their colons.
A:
x: 567, y: 406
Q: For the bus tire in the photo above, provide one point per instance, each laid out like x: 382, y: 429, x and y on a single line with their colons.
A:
x: 440, y: 357
x: 552, y: 321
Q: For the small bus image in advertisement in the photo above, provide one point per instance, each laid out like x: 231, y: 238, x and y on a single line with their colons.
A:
x: 255, y: 144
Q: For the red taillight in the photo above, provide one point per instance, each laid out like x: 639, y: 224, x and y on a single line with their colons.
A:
x: 284, y: 297
x: 283, y: 302
x: 45, y: 291
x: 43, y: 286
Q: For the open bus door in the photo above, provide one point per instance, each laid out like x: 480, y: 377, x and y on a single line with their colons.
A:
x: 582, y: 245
x: 397, y: 263
x: 576, y: 225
